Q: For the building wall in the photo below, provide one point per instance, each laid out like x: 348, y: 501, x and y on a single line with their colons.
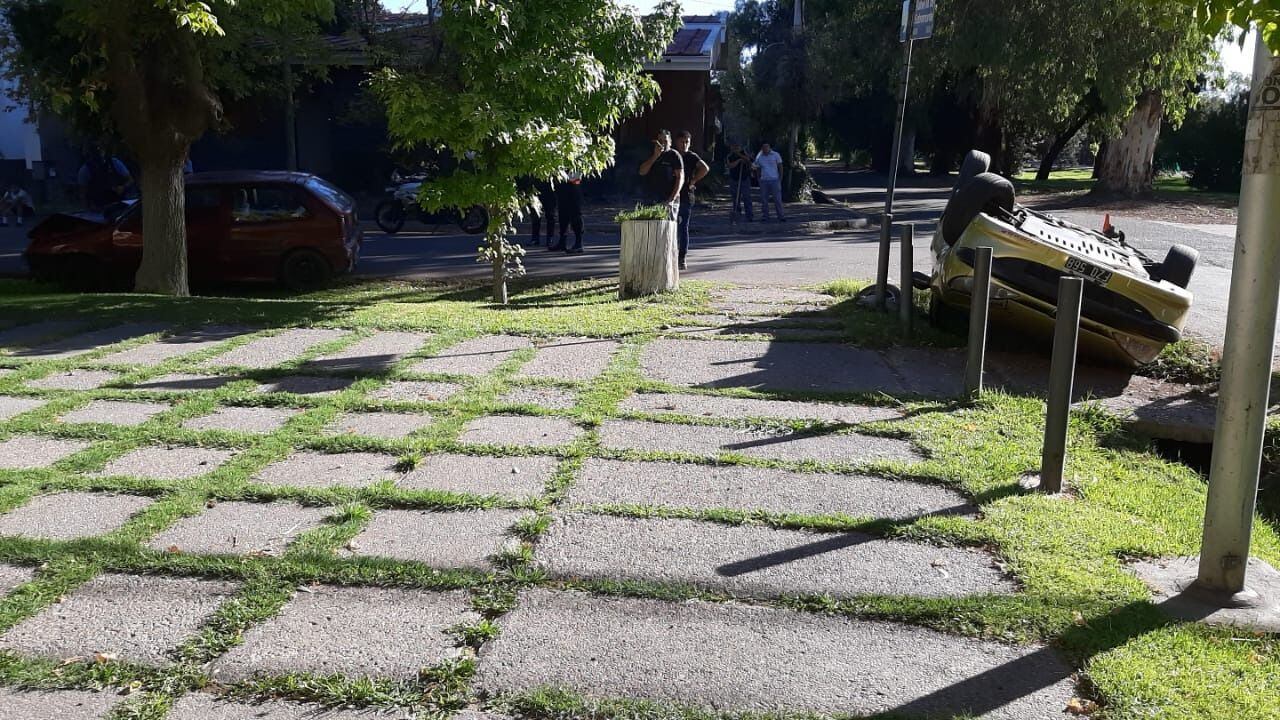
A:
x: 682, y: 106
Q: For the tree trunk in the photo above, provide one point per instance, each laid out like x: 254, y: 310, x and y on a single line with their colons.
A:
x: 164, y: 231
x: 499, y: 260
x: 1128, y: 168
x: 648, y: 263
x: 1051, y: 155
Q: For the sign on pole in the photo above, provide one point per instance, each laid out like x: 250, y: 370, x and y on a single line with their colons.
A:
x: 921, y: 24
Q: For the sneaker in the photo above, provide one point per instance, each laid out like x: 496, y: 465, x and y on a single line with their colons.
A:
x: 558, y: 247
x: 575, y: 250
x: 682, y: 266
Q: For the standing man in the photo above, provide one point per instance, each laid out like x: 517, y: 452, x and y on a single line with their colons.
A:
x: 738, y: 167
x: 664, y: 175
x: 769, y: 163
x: 545, y: 214
x: 569, y: 203
x: 695, y: 170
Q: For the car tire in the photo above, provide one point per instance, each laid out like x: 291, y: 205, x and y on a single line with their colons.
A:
x: 390, y: 216
x: 986, y: 192
x: 83, y: 273
x: 975, y: 163
x: 305, y: 269
x: 1178, y: 266
x: 475, y: 221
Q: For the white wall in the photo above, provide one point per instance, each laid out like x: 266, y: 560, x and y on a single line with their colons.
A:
x: 19, y: 139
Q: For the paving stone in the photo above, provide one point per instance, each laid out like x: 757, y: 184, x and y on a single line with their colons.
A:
x: 323, y: 470
x: 33, y: 333
x: 440, y: 539
x: 706, y: 487
x: 243, y: 419
x: 203, y: 706
x: 711, y: 441
x: 519, y: 477
x: 576, y: 359
x: 762, y: 561
x: 11, y: 407
x: 479, y: 356
x: 771, y: 295
x: 754, y: 309
x: 716, y: 406
x: 552, y: 398
x: 729, y: 657
x: 376, y: 353
x: 187, y: 343
x: 803, y: 321
x: 352, y: 631
x: 138, y: 618
x: 391, y: 426
x: 168, y: 463
x: 520, y: 431
x: 115, y: 412
x: 241, y: 528
x: 90, y: 341
x: 306, y: 385
x: 273, y: 350
x: 822, y: 367
x: 27, y: 452
x: 417, y: 391
x: 185, y: 382
x: 748, y: 332
x: 75, y: 380
x: 72, y: 515
x: 11, y: 576
x: 56, y: 704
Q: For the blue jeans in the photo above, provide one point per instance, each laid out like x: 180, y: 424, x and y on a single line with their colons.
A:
x: 742, y: 197
x: 771, y: 190
x: 682, y: 227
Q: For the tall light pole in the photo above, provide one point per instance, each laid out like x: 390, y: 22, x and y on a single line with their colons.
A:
x: 1247, y: 353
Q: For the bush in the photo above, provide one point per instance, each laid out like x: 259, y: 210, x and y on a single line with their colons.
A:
x: 643, y: 212
x: 1209, y: 145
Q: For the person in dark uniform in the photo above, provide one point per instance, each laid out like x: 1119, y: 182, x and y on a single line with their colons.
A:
x: 664, y: 175
x: 545, y: 215
x: 738, y: 167
x: 569, y: 204
x: 694, y: 170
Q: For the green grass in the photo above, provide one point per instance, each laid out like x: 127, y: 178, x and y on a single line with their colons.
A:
x: 1067, y: 553
x: 1081, y: 179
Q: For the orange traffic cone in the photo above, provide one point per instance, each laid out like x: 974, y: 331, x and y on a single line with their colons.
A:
x: 1107, y: 228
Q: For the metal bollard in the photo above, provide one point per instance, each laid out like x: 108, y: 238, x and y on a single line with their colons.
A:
x: 1062, y: 375
x: 906, y: 301
x: 979, y: 307
x: 882, y: 262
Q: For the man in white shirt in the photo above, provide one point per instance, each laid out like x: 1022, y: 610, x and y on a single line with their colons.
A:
x: 769, y: 163
x: 16, y: 202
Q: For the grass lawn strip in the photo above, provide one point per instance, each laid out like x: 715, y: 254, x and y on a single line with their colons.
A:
x: 1066, y: 552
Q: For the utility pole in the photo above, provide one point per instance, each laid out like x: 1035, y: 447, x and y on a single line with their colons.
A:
x: 1247, y: 354
x: 793, y: 132
x: 903, y: 85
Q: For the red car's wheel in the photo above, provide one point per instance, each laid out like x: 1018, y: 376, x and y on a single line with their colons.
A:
x: 305, y: 269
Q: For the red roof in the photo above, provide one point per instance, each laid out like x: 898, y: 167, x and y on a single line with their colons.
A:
x: 688, y: 42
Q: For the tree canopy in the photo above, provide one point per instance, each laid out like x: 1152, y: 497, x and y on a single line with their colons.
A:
x: 523, y: 90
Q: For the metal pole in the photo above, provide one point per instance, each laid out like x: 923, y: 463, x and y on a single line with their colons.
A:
x: 979, y: 306
x: 896, y: 156
x: 882, y: 262
x: 1247, y: 352
x: 1062, y: 375
x: 906, y: 301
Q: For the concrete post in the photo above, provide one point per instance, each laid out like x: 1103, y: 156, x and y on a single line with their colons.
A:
x: 1062, y: 375
x: 979, y: 308
x: 1247, y: 353
x: 906, y: 301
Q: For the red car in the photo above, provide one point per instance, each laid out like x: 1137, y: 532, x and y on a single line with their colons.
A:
x: 286, y: 227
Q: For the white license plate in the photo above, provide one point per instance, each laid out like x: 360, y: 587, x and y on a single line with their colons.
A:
x: 1088, y: 271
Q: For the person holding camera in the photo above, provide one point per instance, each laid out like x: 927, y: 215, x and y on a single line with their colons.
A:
x: 738, y: 168
x: 664, y: 175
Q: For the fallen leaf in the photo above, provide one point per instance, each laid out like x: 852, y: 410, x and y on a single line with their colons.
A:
x: 1078, y: 618
x: 1080, y: 706
x: 105, y: 657
x: 174, y: 550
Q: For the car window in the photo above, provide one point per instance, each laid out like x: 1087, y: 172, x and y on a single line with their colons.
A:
x: 331, y: 194
x: 267, y: 203
x: 203, y: 197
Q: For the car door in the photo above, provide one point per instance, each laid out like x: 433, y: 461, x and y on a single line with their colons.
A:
x: 207, y: 217
x: 264, y: 218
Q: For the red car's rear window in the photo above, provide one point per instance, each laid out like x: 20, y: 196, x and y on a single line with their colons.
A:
x: 332, y: 195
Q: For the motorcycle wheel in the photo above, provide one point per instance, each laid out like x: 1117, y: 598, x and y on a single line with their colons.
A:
x: 390, y: 216
x: 475, y: 221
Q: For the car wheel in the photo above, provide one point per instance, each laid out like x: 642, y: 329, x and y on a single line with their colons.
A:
x: 945, y: 317
x: 83, y: 273
x: 390, y: 216
x: 975, y: 163
x: 1179, y: 263
x: 475, y: 221
x: 305, y: 269
x: 986, y: 192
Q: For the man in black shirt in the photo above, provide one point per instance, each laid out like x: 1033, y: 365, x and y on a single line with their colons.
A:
x: 738, y: 165
x: 695, y: 170
x: 664, y: 175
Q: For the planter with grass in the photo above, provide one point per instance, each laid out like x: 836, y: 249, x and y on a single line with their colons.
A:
x: 649, y: 260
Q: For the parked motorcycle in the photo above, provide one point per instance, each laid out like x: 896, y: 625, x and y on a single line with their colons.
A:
x: 391, y: 214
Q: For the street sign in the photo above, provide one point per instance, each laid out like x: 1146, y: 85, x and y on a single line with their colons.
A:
x: 921, y: 25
